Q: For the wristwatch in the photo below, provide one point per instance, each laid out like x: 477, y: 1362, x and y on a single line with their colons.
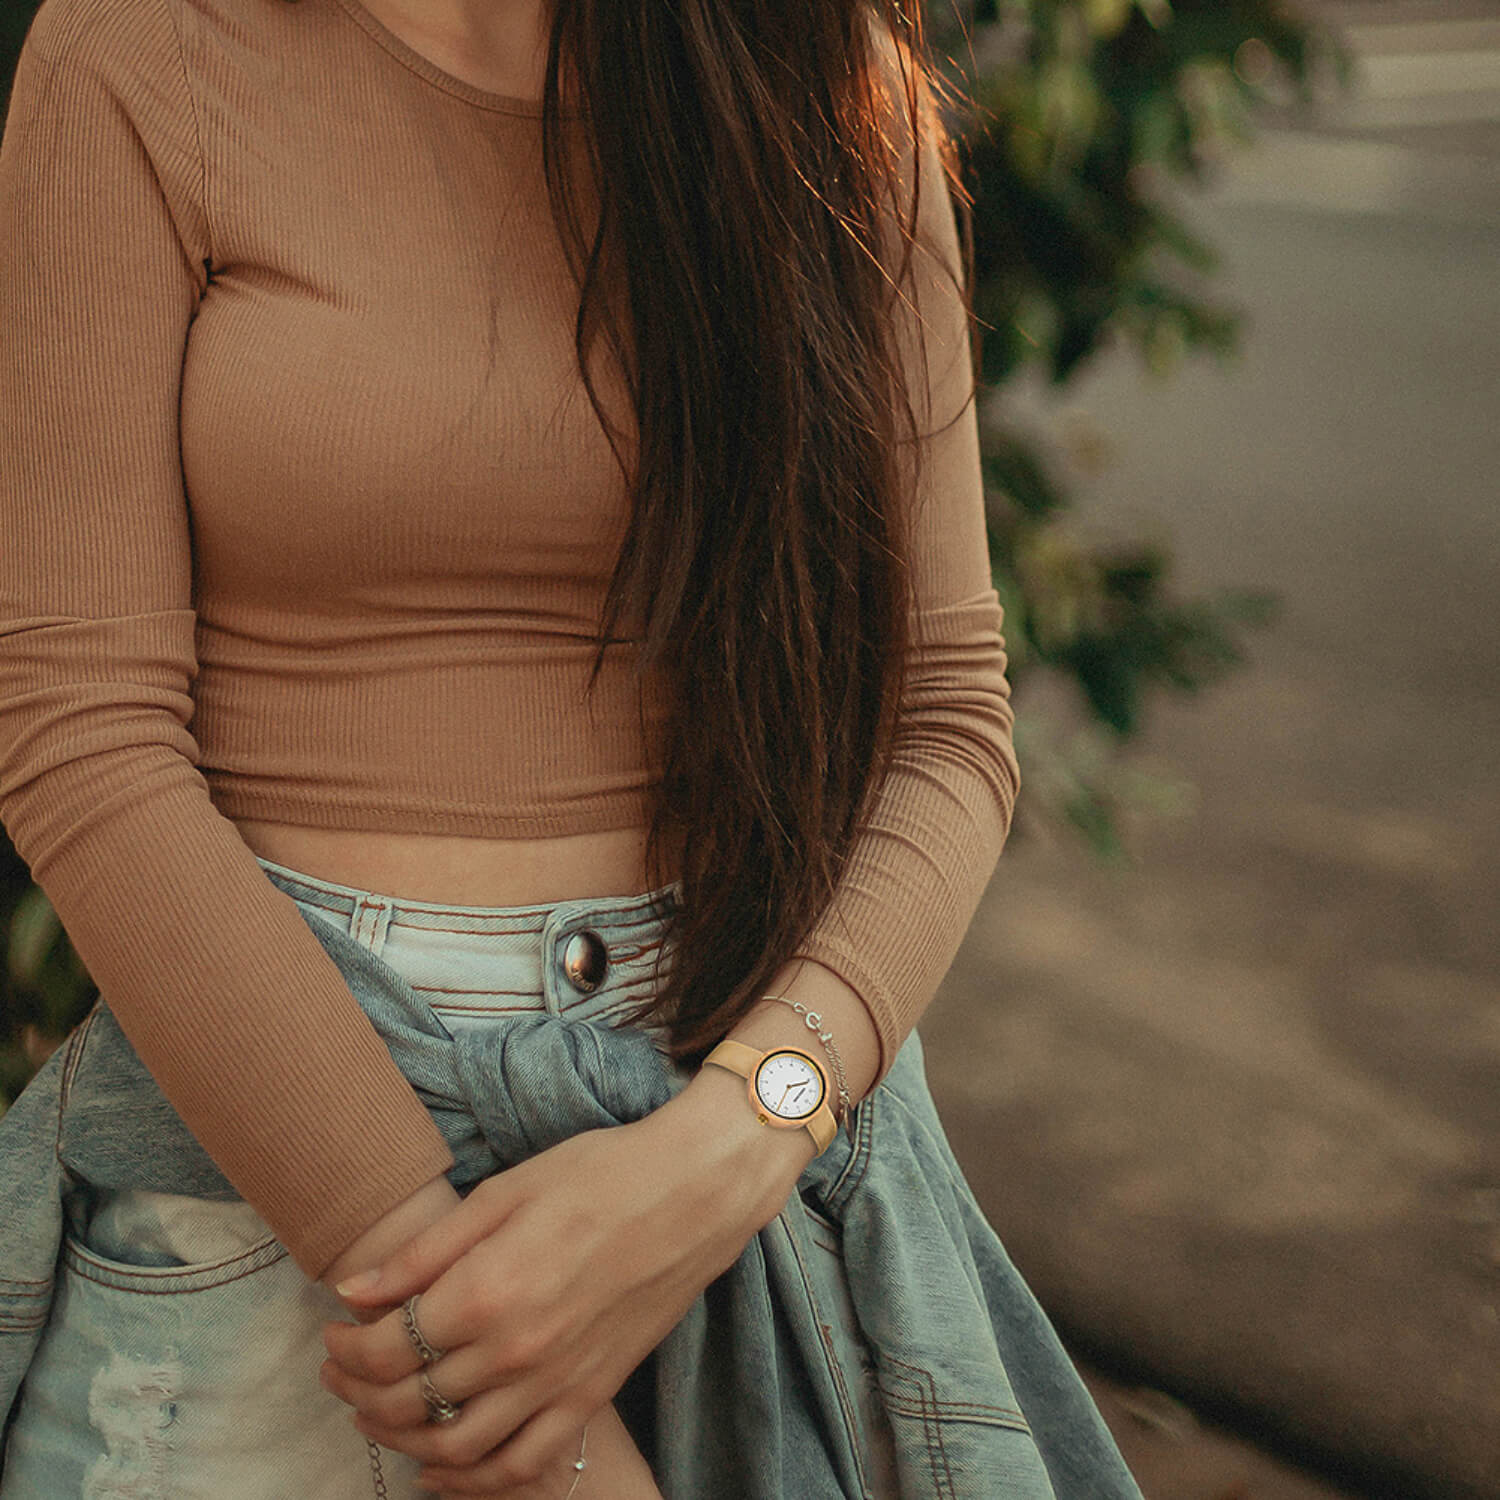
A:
x: 788, y: 1087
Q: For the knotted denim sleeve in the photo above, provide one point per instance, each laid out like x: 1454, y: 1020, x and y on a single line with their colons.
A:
x: 752, y: 1386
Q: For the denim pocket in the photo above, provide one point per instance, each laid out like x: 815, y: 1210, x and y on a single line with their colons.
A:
x: 140, y: 1229
x: 163, y: 1280
x: 196, y: 1380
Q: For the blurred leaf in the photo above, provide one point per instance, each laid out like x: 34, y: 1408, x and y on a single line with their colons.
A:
x: 34, y: 933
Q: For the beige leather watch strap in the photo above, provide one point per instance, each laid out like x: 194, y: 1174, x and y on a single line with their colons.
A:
x: 736, y: 1056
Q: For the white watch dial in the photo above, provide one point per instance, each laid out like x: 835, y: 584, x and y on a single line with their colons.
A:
x: 788, y: 1085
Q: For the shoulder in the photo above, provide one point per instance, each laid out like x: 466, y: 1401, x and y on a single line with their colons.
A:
x: 129, y: 47
x: 101, y: 100
x: 910, y: 116
x: 133, y: 41
x: 95, y: 32
x: 924, y: 147
x: 896, y: 69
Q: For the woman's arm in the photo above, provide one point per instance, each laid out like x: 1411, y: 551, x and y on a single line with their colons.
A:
x: 249, y: 1028
x: 935, y: 831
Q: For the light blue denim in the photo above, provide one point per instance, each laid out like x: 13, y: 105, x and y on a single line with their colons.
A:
x: 873, y: 1340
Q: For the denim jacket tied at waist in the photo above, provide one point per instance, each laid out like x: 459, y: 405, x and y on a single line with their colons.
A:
x: 755, y: 1392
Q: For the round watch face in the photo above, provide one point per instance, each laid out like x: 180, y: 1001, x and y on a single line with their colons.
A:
x: 788, y: 1084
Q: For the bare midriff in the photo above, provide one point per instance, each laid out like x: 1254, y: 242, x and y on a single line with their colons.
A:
x: 462, y: 870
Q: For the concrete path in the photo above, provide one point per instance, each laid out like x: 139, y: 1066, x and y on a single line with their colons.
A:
x: 1236, y: 1113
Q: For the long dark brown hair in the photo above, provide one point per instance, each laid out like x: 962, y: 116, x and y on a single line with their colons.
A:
x: 747, y: 156
x: 754, y: 167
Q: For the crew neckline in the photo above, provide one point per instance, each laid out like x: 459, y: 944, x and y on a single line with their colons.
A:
x: 425, y: 68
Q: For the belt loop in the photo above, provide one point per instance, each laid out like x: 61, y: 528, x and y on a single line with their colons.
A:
x: 370, y: 922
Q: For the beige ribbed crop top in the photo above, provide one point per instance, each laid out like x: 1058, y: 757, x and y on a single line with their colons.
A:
x: 305, y: 516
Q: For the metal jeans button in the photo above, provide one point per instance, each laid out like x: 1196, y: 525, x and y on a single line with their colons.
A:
x: 585, y: 960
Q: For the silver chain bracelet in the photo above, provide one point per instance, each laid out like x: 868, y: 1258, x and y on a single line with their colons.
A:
x: 580, y: 1463
x: 814, y: 1023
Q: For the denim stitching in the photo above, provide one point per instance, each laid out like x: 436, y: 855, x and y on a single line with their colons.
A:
x: 847, y: 1183
x: 181, y: 1291
x: 982, y: 1416
x: 343, y: 910
x: 492, y: 922
x: 22, y: 1325
x: 943, y: 1481
x: 135, y: 1279
x: 625, y: 956
x: 393, y: 976
x: 439, y: 989
x: 847, y: 1402
x: 966, y: 1408
x: 932, y: 1425
x: 165, y: 1272
x: 931, y: 1408
x: 851, y: 1420
x: 72, y: 1061
x: 639, y: 911
x: 73, y: 1058
x: 440, y: 1008
x: 820, y: 1218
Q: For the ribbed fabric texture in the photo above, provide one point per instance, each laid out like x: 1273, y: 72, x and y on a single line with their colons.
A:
x: 307, y: 517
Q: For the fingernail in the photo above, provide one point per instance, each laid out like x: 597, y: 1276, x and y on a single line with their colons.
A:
x: 352, y: 1286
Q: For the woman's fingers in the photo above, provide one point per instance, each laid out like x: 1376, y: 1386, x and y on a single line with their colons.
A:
x: 535, y: 1464
x: 424, y: 1257
x: 509, y: 1297
x: 475, y: 1308
x: 379, y: 1352
x: 399, y: 1404
x: 487, y: 1422
x: 458, y: 1375
x: 600, y: 1246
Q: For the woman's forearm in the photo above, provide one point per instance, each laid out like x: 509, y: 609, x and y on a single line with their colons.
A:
x: 770, y: 1023
x: 780, y: 1155
x: 749, y: 1169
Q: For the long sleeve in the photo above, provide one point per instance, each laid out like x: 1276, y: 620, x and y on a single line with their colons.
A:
x: 929, y: 846
x: 229, y: 999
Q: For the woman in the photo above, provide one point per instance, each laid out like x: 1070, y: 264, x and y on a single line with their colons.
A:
x: 431, y: 765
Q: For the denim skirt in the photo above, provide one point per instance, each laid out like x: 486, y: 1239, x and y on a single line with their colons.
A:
x: 180, y: 1359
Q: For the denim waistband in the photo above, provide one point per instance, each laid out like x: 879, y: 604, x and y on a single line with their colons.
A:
x: 589, y: 959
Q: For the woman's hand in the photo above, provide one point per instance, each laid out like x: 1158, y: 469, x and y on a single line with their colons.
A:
x: 553, y: 1280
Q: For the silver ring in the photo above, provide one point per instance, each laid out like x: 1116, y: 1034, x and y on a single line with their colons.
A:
x: 425, y: 1351
x: 439, y: 1407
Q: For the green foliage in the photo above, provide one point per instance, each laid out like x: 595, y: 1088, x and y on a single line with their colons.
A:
x: 15, y: 17
x: 45, y: 990
x: 1086, y: 114
x: 1093, y: 106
